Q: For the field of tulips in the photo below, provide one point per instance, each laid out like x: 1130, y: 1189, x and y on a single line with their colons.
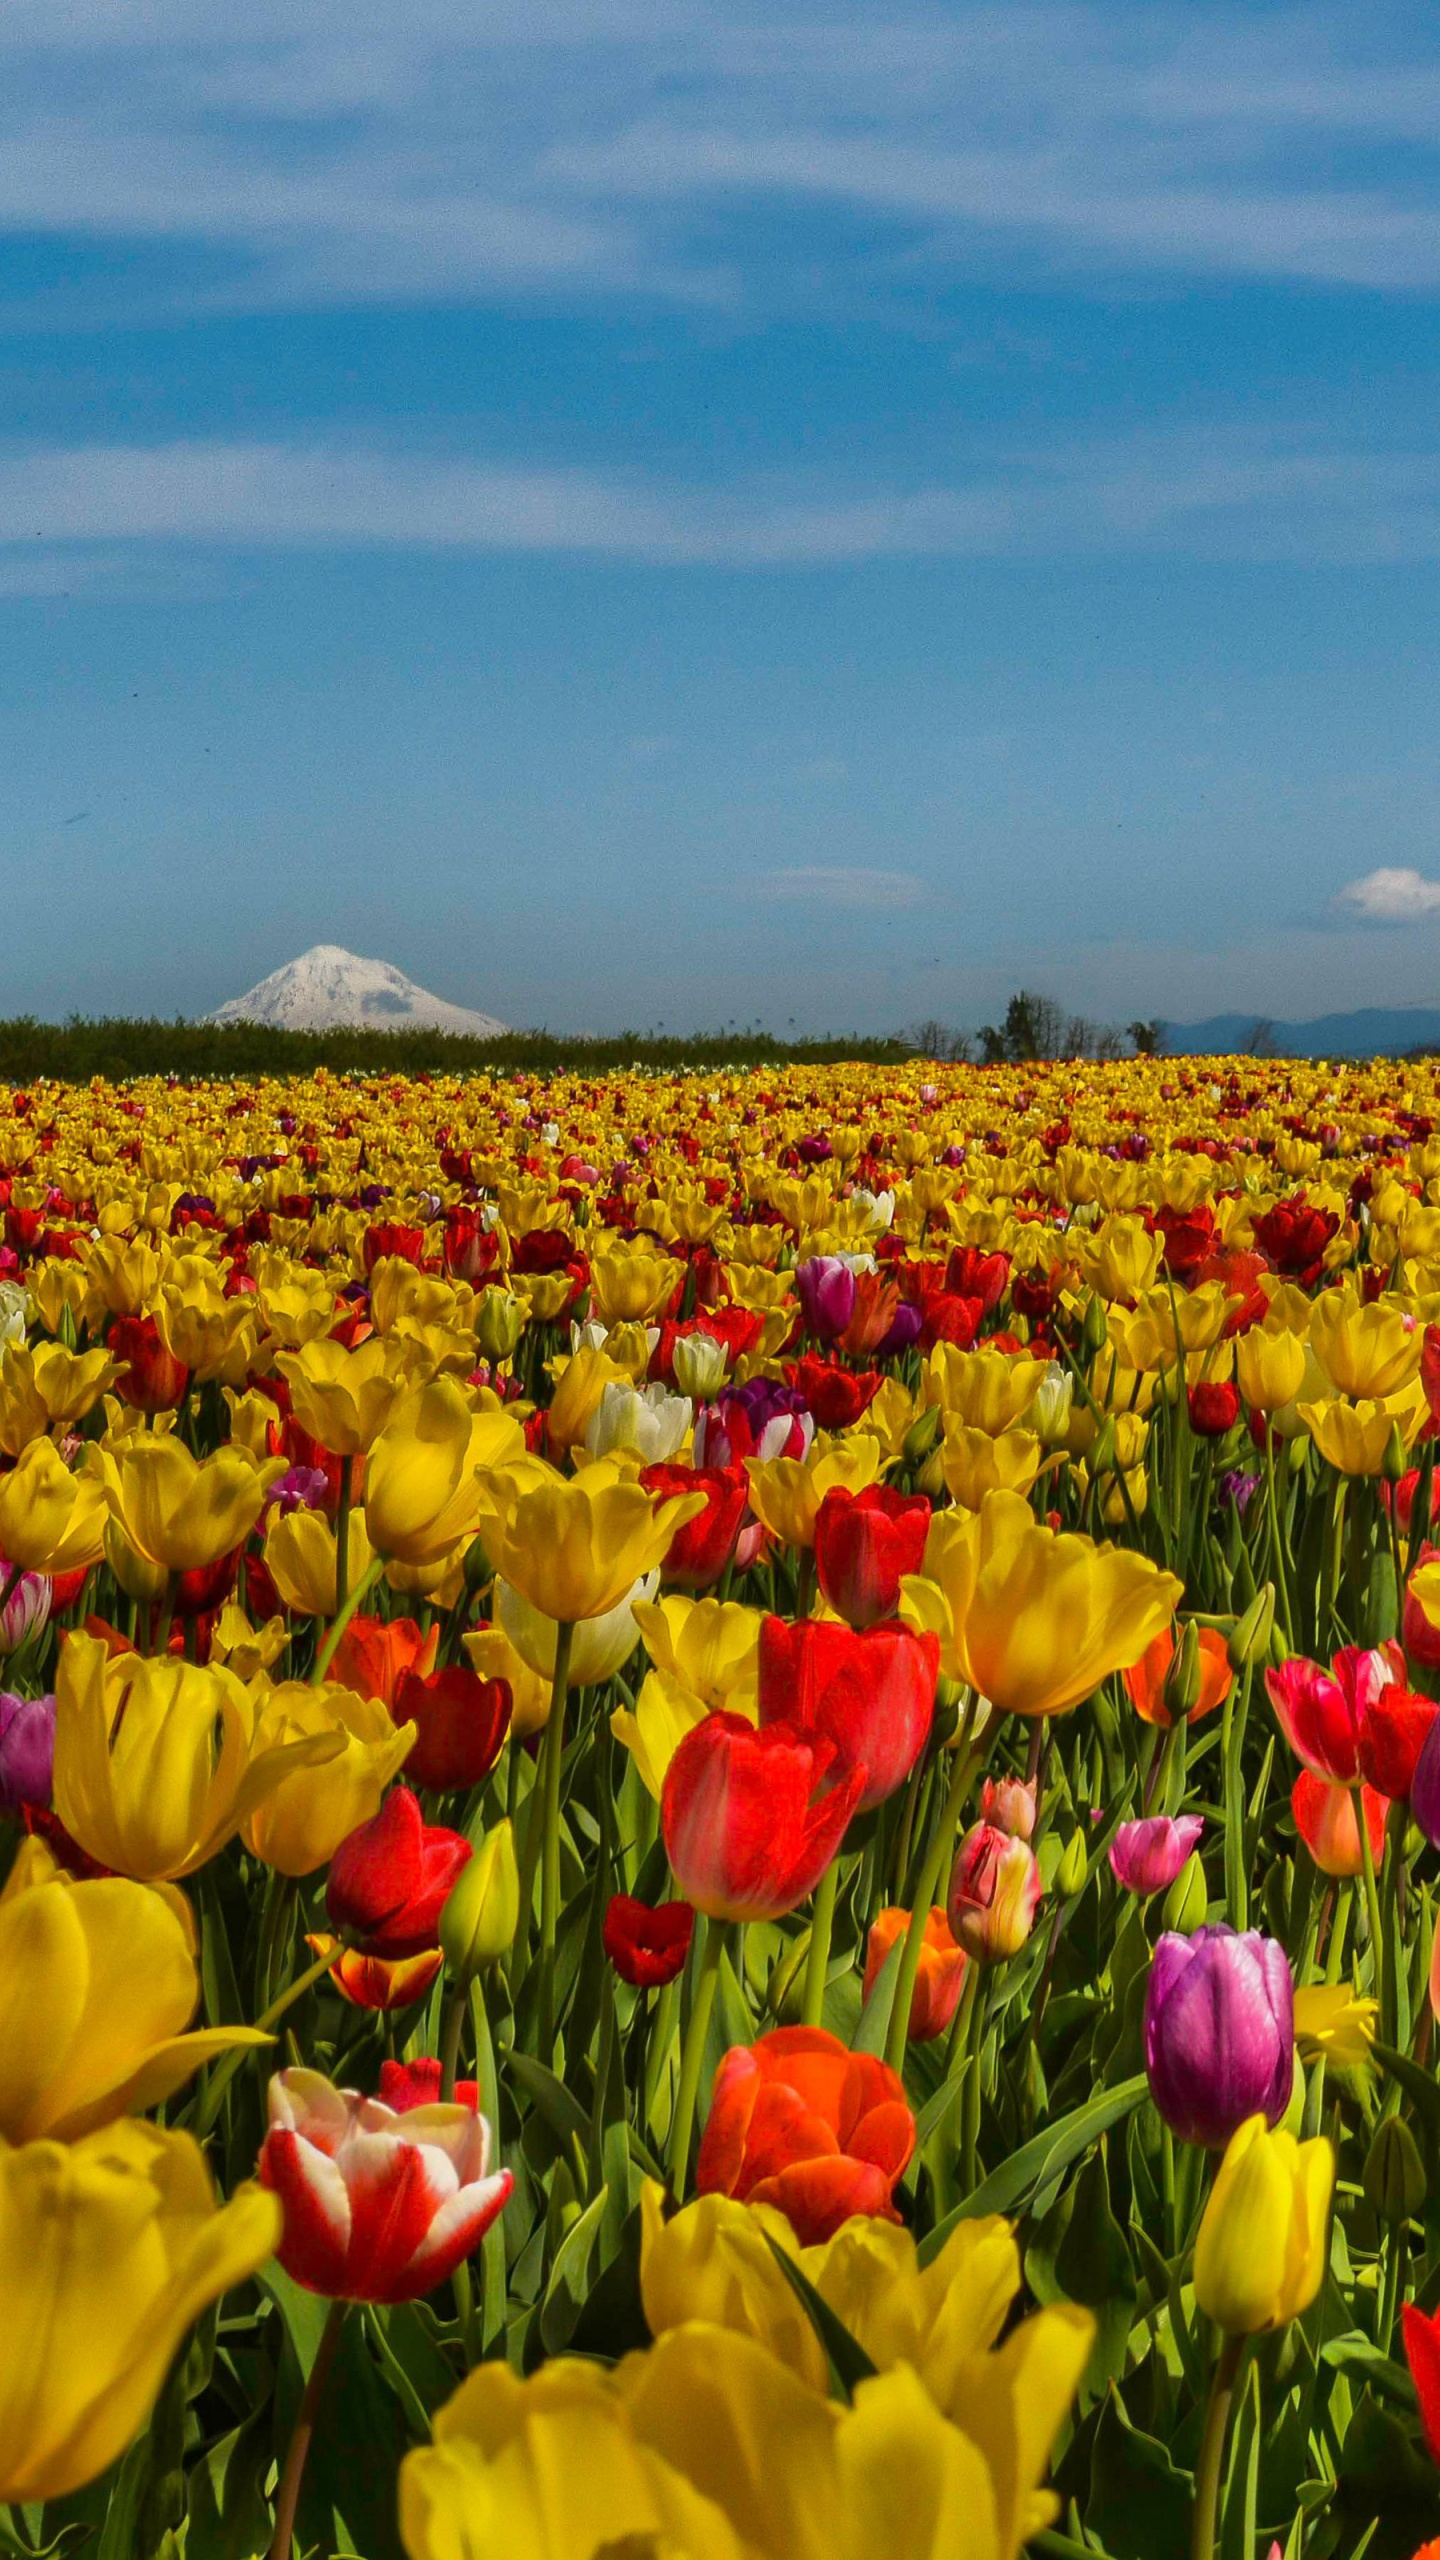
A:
x: 719, y: 1799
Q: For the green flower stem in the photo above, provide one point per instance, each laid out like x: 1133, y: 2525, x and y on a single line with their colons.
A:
x: 302, y: 2434
x: 1212, y: 2449
x: 707, y: 1975
x: 817, y: 1962
x: 1372, y: 1909
x: 552, y: 1755
x: 342, y: 1533
x: 342, y: 1618
x: 967, y: 1761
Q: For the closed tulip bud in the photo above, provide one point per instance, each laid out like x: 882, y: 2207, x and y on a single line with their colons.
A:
x: 1101, y: 1454
x: 500, y: 1320
x: 1396, y: 1458
x: 1050, y: 1409
x: 1073, y: 1868
x: 1010, y: 1805
x: 922, y: 1436
x: 930, y: 1479
x: 1249, y: 1640
x: 700, y: 1364
x: 1182, y: 1680
x: 479, y: 1921
x: 1096, y: 1330
x: 1260, y: 2256
x: 1187, y: 1902
x: 1394, y: 2175
x: 994, y: 1893
x: 1146, y: 1857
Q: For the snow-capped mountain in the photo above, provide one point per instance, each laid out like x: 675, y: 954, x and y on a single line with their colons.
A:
x: 327, y: 989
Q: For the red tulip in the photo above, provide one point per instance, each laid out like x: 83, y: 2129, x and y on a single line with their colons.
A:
x: 746, y: 1832
x: 940, y: 1979
x: 1294, y: 1237
x: 1324, y: 1814
x: 864, y: 1543
x: 837, y: 1397
x: 405, y: 2085
x: 870, y: 1694
x: 379, y: 1982
x: 1340, y: 1720
x: 972, y: 1273
x: 392, y: 1242
x: 1422, y: 2354
x: 798, y: 2122
x: 647, y: 1944
x: 391, y: 1877
x: 380, y: 2205
x: 701, y: 1549
x: 1214, y: 1407
x: 152, y: 1379
x: 461, y: 1722
x: 374, y: 1655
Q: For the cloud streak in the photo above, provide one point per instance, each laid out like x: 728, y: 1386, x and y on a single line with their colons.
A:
x: 356, y: 153
x: 1224, y: 496
x: 1392, y: 895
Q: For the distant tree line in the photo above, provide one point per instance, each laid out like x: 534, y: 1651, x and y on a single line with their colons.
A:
x: 1036, y: 1027
x: 74, y: 1051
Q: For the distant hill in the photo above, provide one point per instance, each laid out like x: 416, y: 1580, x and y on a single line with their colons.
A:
x: 328, y: 989
x: 1378, y: 1032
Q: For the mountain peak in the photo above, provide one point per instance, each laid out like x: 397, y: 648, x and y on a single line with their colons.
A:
x: 328, y: 989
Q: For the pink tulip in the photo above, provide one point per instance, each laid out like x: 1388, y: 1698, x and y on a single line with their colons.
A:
x: 1146, y: 1857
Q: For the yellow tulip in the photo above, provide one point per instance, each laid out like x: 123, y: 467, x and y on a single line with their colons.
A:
x: 50, y: 1520
x: 422, y: 1477
x: 1125, y: 1258
x: 492, y: 1656
x: 300, y: 1557
x: 298, y: 1306
x: 1366, y: 1351
x: 1260, y: 2254
x: 124, y: 1275
x: 97, y: 1986
x: 215, y: 1336
x: 1269, y: 1367
x: 786, y: 1493
x: 46, y: 1386
x: 575, y: 1547
x: 653, y: 1730
x: 975, y: 1464
x: 179, y: 1510
x: 707, y: 2444
x: 108, y: 2252
x: 401, y: 1294
x: 301, y: 1822
x: 989, y: 1390
x: 242, y: 1648
x: 599, y: 1647
x: 714, y: 2261
x: 1034, y: 1618
x: 1334, y: 2024
x: 579, y: 1386
x: 632, y: 1287
x: 712, y: 1646
x: 342, y: 1398
x: 158, y: 1763
x: 1353, y: 1438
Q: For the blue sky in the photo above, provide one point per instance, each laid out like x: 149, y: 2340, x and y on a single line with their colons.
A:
x: 656, y: 512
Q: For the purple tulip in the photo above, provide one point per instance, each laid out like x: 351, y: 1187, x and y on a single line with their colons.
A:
x: 27, y: 1751
x: 26, y: 1610
x: 1425, y: 1786
x: 904, y: 1333
x: 1146, y: 1857
x: 1219, y: 2032
x: 826, y: 1288
x: 300, y: 1489
x: 760, y: 1420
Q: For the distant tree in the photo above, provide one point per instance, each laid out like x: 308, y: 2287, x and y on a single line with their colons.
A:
x: 932, y: 1039
x: 1109, y: 1043
x: 994, y: 1049
x: 1261, y: 1042
x: 1147, y: 1038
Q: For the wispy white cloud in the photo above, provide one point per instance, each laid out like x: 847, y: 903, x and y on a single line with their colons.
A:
x: 1391, y: 895
x: 1241, y: 495
x: 826, y: 884
x: 349, y: 150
